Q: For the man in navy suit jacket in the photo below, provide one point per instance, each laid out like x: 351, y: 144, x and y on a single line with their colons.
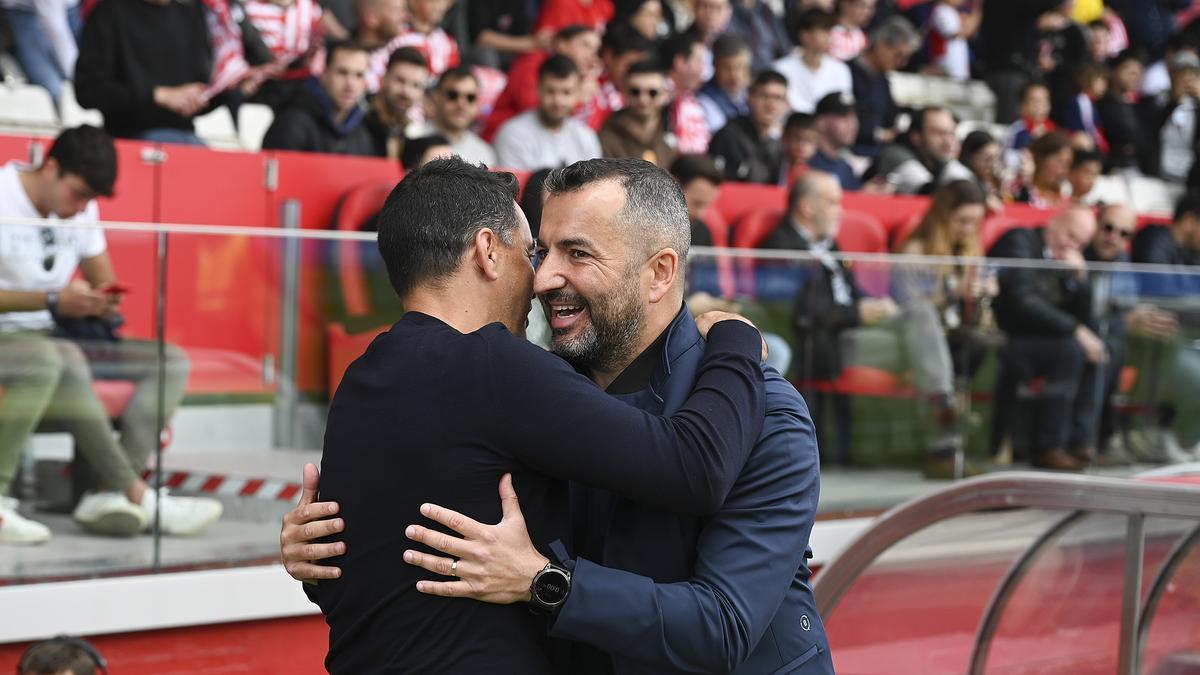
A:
x: 651, y: 591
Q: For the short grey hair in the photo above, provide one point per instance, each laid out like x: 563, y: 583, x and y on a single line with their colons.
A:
x: 655, y: 212
x: 896, y: 30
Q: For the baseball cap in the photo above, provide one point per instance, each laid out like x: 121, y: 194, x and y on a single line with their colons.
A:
x: 839, y: 103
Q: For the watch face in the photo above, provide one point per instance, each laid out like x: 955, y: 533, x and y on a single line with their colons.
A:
x: 552, y: 586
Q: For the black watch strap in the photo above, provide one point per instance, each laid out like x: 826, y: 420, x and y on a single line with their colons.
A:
x: 549, y: 589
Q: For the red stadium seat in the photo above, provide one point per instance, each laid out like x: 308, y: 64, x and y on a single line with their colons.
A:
x: 756, y: 226
x: 902, y: 233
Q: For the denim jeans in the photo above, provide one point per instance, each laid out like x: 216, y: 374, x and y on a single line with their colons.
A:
x: 180, y: 136
x: 35, y: 53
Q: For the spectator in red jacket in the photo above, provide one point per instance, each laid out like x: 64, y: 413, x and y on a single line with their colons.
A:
x: 558, y: 14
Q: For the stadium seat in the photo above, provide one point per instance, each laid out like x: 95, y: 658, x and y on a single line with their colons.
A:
x: 217, y: 130
x: 73, y: 114
x: 1151, y: 195
x: 1110, y: 190
x: 26, y: 106
x: 253, y: 121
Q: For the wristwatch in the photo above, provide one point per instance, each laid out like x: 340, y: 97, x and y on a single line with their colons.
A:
x: 549, y: 589
x: 52, y: 302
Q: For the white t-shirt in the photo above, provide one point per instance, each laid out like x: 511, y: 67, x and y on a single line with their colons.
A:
x: 807, y: 87
x: 27, y: 250
x: 956, y: 60
x: 524, y: 144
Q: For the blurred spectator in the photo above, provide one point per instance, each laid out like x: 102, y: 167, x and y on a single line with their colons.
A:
x: 502, y: 29
x: 1064, y: 50
x: 637, y: 129
x: 338, y: 19
x: 579, y: 43
x: 1011, y: 47
x: 1119, y: 315
x: 1052, y: 159
x: 683, y: 55
x: 755, y: 21
x: 380, y: 24
x: 643, y: 16
x: 1082, y: 114
x: 1098, y: 38
x: 1086, y: 166
x: 848, y: 39
x: 455, y: 103
x: 58, y: 334
x: 558, y: 14
x: 800, y: 140
x: 748, y: 148
x: 421, y: 150
x: 43, y: 41
x: 399, y: 101
x: 811, y: 72
x: 424, y: 32
x: 548, y: 137
x: 949, y: 31
x: 710, y: 21
x: 724, y: 96
x: 62, y: 655
x: 1051, y: 355
x: 892, y: 44
x: 328, y: 115
x: 947, y: 303
x: 1150, y: 23
x: 1174, y: 244
x: 1129, y: 146
x: 700, y: 180
x: 147, y: 87
x: 621, y: 47
x: 982, y: 155
x: 1172, y: 117
x: 837, y: 126
x: 920, y: 158
x: 1034, y: 121
x: 1157, y: 79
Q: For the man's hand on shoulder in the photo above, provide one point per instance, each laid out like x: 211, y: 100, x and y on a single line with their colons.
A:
x: 707, y: 320
x: 302, y: 526
x: 493, y: 563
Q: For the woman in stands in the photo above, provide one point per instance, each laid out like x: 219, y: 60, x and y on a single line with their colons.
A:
x: 957, y: 294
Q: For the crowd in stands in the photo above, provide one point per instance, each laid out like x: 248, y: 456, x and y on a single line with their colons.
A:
x: 1084, y: 86
x: 790, y: 93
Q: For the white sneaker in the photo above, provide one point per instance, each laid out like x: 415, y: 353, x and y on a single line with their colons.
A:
x: 16, y: 529
x: 180, y: 515
x: 109, y: 513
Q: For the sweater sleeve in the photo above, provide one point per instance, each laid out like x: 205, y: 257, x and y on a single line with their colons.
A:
x: 687, y: 462
x: 97, y: 84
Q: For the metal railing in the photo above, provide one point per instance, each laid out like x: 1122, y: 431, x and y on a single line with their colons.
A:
x: 1076, y: 497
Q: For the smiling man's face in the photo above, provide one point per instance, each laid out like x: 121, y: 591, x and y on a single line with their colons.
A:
x: 590, y: 278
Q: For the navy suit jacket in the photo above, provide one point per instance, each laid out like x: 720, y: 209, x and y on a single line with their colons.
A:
x: 662, y: 592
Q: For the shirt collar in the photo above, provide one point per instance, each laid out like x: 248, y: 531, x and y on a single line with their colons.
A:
x: 644, y: 370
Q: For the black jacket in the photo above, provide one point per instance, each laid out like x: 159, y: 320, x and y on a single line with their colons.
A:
x: 1124, y: 127
x: 817, y: 318
x: 125, y: 52
x: 306, y: 125
x: 1036, y: 302
x: 744, y: 155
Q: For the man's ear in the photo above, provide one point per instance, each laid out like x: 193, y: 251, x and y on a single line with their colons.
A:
x: 486, y: 253
x: 662, y: 268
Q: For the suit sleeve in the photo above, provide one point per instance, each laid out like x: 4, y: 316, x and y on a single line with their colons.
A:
x: 687, y: 462
x: 748, y: 556
x: 97, y: 84
x: 1020, y: 292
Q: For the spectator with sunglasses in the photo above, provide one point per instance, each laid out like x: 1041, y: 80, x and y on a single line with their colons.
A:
x: 637, y: 130
x: 455, y: 105
x: 47, y: 378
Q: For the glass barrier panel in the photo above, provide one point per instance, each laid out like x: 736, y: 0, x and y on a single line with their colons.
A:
x: 921, y: 602
x: 1174, y: 622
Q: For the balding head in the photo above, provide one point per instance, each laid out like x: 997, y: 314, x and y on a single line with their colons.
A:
x: 1117, y: 223
x: 1070, y: 231
x: 815, y: 203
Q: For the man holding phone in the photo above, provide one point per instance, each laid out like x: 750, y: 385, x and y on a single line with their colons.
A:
x: 57, y: 334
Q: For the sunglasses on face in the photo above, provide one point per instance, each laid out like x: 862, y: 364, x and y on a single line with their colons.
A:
x: 635, y: 92
x: 454, y: 95
x: 1109, y: 228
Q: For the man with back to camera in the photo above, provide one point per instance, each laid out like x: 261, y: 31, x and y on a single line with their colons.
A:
x: 454, y: 374
x: 674, y: 592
